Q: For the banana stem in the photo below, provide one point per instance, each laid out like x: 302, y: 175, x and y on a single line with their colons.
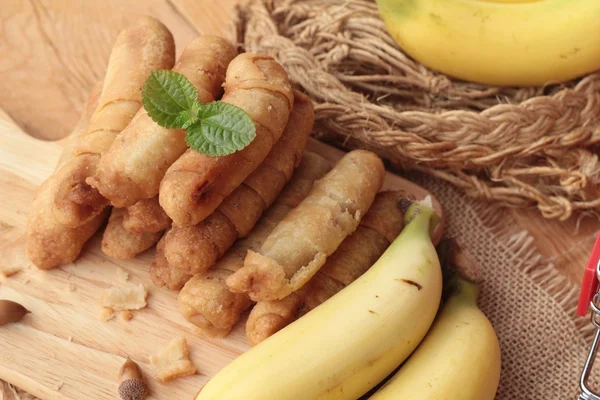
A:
x: 461, y: 271
x: 467, y: 290
x: 421, y: 214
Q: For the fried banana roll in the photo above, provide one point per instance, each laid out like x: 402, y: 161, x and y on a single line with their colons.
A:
x: 311, y: 232
x: 144, y: 47
x: 195, y: 248
x: 206, y: 300
x: 195, y: 185
x: 355, y: 255
x: 136, y: 162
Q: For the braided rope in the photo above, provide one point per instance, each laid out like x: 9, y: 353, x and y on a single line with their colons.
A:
x: 520, y: 147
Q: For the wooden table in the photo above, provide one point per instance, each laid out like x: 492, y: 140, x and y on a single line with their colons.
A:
x: 53, y: 51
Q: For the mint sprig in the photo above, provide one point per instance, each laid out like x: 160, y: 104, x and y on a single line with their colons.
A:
x: 215, y: 129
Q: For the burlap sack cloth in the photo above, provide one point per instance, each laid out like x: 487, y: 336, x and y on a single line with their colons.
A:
x: 531, y: 306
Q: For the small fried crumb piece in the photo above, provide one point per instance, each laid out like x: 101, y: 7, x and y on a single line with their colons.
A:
x: 72, y: 287
x: 106, y: 314
x: 59, y: 386
x: 130, y: 297
x: 70, y: 338
x: 10, y: 270
x: 173, y: 361
x: 126, y: 315
x: 122, y: 275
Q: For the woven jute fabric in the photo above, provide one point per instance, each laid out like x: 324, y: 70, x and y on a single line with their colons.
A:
x: 518, y: 147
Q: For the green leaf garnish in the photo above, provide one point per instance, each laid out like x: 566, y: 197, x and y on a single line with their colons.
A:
x: 165, y: 94
x: 185, y: 119
x: 224, y: 129
x: 215, y: 129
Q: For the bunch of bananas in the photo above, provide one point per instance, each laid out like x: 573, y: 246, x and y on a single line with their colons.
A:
x: 499, y: 42
x: 350, y: 343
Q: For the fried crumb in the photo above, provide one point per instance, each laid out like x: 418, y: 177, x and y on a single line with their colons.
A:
x: 72, y: 287
x: 106, y: 314
x: 173, y: 361
x: 126, y: 315
x: 59, y: 386
x: 130, y: 297
x: 70, y: 338
x: 122, y: 275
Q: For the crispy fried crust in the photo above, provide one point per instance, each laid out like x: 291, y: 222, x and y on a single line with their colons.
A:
x: 145, y: 216
x: 50, y: 243
x: 205, y: 300
x: 300, y: 244
x: 192, y: 248
x: 268, y: 317
x: 131, y: 170
x: 193, y: 187
x: 162, y: 274
x: 355, y: 255
x: 173, y: 361
x: 143, y: 47
x: 119, y: 243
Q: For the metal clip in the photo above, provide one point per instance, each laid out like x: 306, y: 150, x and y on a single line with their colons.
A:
x: 586, y: 392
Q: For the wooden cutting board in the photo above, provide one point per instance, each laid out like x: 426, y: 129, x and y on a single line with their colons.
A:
x: 62, y: 350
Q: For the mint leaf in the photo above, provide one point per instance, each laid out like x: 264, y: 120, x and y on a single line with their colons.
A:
x: 165, y: 95
x: 185, y: 119
x: 216, y: 129
x: 223, y: 129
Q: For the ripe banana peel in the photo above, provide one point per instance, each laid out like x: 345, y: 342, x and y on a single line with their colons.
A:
x: 499, y: 42
x: 459, y: 359
x: 351, y: 342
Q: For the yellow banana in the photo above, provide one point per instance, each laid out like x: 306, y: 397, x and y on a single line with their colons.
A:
x: 459, y: 359
x: 351, y: 342
x: 499, y: 42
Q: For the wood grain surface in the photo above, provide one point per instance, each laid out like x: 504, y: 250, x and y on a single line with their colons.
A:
x: 52, y: 53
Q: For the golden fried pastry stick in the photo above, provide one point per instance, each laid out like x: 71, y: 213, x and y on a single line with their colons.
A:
x: 301, y: 243
x: 205, y: 300
x: 355, y: 255
x: 119, y: 243
x: 132, y: 230
x: 195, y: 185
x: 50, y: 243
x: 163, y: 274
x: 81, y: 126
x: 144, y: 47
x: 195, y: 248
x: 145, y: 216
x: 136, y: 162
